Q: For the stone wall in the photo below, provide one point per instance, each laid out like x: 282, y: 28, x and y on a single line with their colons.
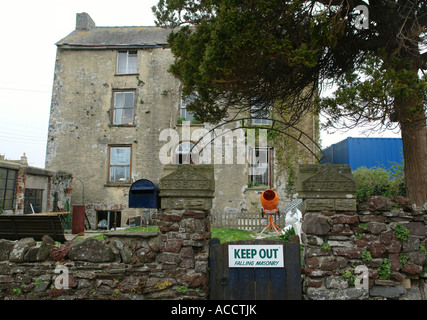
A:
x: 169, y: 264
x: 384, y: 239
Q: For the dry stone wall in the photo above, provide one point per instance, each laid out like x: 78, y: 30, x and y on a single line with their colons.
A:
x: 377, y: 251
x: 169, y: 264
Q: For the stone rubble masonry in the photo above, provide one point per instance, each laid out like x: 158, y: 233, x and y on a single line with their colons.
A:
x: 338, y: 238
x: 169, y: 264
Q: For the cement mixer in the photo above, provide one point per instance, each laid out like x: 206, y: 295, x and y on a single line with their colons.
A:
x: 270, y: 204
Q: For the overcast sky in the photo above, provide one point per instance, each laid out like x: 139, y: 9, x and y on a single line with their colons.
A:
x: 29, y: 30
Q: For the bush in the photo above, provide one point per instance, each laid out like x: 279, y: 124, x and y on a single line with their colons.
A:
x: 378, y: 181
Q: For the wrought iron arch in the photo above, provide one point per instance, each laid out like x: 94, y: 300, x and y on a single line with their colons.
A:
x: 301, y: 134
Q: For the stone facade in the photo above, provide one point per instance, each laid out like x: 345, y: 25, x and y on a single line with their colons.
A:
x: 381, y: 245
x: 169, y: 264
x: 82, y: 129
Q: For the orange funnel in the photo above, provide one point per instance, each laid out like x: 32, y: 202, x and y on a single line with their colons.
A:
x: 269, y: 199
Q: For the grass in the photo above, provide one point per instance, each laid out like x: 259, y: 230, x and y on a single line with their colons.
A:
x: 226, y: 235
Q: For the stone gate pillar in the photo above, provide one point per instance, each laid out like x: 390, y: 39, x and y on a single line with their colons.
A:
x: 186, y: 193
x: 329, y: 217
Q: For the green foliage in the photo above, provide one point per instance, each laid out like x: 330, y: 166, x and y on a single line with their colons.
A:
x: 371, y: 92
x: 403, y: 259
x: 384, y: 269
x: 222, y: 53
x: 226, y: 235
x: 278, y: 53
x: 363, y: 226
x: 401, y: 232
x: 349, y: 276
x: 180, y: 120
x: 17, y: 291
x: 366, y: 255
x: 379, y: 181
x: 252, y: 184
x: 182, y: 289
x: 288, y: 233
x: 325, y: 246
x: 291, y: 179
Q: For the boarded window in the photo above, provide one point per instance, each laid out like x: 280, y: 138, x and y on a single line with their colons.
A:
x: 7, y: 188
x: 119, y: 164
x: 127, y: 62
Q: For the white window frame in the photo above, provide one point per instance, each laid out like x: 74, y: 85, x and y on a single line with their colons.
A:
x: 125, y: 62
x: 260, y: 171
x: 260, y: 116
x: 184, y: 113
x: 120, y: 111
x: 125, y: 163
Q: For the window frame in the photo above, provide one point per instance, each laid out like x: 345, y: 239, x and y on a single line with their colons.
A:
x: 269, y: 172
x: 6, y: 188
x: 179, y: 158
x: 114, y: 108
x: 260, y: 121
x: 129, y: 165
x: 118, y: 68
x: 183, y: 112
x: 38, y: 197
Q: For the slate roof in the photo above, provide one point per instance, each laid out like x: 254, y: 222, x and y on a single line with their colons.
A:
x: 116, y: 37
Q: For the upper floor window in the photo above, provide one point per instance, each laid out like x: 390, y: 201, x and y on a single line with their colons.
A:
x: 123, y: 107
x: 260, y: 116
x: 119, y: 164
x: 127, y: 62
x: 186, y: 115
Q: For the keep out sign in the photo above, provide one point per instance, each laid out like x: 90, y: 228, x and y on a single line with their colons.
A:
x: 255, y: 256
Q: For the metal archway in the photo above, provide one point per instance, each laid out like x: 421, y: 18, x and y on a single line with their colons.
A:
x: 301, y: 134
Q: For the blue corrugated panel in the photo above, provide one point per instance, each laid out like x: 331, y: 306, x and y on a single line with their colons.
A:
x: 366, y: 152
x: 337, y: 153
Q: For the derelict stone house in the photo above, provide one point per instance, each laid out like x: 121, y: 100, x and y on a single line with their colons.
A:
x: 114, y: 107
x: 26, y: 190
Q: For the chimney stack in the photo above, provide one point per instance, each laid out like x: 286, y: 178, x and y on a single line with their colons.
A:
x: 24, y: 159
x: 84, y: 22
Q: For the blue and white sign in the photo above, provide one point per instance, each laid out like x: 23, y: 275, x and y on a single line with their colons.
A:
x: 255, y: 256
